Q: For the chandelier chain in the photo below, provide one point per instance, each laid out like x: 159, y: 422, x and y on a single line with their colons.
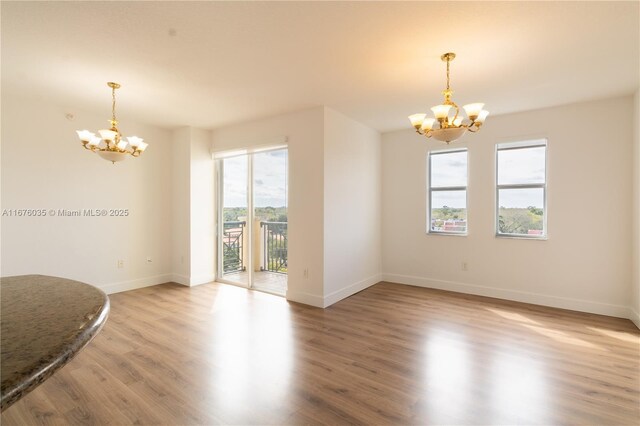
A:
x: 448, y: 74
x: 113, y: 104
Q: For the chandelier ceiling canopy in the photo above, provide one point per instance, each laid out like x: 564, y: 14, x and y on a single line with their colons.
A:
x: 110, y: 145
x: 450, y: 127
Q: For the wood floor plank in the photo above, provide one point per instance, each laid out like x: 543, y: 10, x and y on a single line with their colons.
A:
x: 391, y: 354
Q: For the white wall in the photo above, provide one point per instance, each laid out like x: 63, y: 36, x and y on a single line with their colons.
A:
x: 584, y: 265
x: 45, y: 167
x: 192, y: 228
x: 202, y: 225
x: 335, y: 167
x: 181, y: 205
x: 352, y: 220
x: 304, y: 133
x: 635, y: 274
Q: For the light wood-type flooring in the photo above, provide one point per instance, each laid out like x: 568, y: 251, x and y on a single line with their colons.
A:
x: 391, y: 354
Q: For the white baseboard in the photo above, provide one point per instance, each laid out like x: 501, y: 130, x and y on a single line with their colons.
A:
x: 180, y: 279
x: 330, y: 299
x: 336, y: 296
x: 305, y: 298
x: 135, y: 284
x: 202, y: 279
x: 515, y: 295
x: 634, y: 317
x: 192, y: 281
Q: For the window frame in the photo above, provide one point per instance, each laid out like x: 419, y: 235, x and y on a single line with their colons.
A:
x: 525, y: 144
x: 430, y: 191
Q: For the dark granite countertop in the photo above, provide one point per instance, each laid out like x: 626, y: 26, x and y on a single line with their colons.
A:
x: 44, y: 322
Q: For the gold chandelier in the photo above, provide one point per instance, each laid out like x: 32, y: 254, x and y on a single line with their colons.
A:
x: 449, y: 128
x: 110, y: 145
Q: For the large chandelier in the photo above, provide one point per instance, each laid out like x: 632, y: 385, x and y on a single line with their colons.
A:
x: 111, y: 146
x: 449, y: 127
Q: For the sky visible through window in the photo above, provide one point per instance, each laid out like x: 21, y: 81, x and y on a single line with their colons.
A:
x: 521, y: 166
x: 270, y: 179
x: 515, y: 166
x: 449, y: 170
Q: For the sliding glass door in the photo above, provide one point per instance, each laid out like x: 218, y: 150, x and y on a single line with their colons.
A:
x: 270, y: 221
x: 233, y: 248
x: 253, y: 220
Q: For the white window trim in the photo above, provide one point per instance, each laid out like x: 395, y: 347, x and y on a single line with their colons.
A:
x: 273, y: 145
x: 446, y: 188
x: 540, y: 142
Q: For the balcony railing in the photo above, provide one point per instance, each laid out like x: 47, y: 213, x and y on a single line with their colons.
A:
x: 269, y: 252
x: 232, y: 246
x: 274, y: 242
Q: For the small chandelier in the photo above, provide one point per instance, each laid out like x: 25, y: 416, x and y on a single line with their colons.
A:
x: 110, y: 145
x: 450, y: 127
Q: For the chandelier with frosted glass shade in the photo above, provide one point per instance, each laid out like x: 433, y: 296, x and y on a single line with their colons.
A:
x: 448, y: 124
x: 111, y: 145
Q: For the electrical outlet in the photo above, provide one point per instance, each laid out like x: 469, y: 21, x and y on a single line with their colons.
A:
x: 306, y: 273
x: 149, y: 259
x: 464, y: 266
x: 120, y: 264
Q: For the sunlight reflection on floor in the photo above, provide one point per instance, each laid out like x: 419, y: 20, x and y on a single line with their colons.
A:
x: 521, y: 385
x: 257, y: 355
x: 627, y: 337
x: 512, y: 316
x: 556, y: 335
x: 562, y: 337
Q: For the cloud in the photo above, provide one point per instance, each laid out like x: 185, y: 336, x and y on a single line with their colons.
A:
x: 521, y: 166
x: 456, y: 199
x: 521, y: 198
x: 270, y: 180
x: 449, y: 169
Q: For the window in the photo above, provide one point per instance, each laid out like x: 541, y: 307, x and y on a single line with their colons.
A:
x: 521, y: 189
x: 448, y: 192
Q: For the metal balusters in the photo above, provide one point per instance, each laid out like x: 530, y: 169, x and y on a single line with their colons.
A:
x: 274, y: 239
x: 232, y: 246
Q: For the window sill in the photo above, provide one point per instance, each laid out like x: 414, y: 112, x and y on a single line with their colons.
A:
x: 521, y: 237
x: 448, y: 234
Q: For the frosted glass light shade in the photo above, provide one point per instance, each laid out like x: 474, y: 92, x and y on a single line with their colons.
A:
x: 457, y: 122
x: 427, y: 124
x: 107, y: 135
x: 122, y: 145
x: 94, y: 141
x: 85, y: 135
x: 142, y: 146
x: 473, y: 110
x: 482, y: 116
x: 134, y: 141
x: 417, y: 119
x: 112, y: 156
x: 441, y: 111
x: 449, y: 134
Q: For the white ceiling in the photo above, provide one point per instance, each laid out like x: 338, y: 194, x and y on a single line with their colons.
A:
x: 217, y: 63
